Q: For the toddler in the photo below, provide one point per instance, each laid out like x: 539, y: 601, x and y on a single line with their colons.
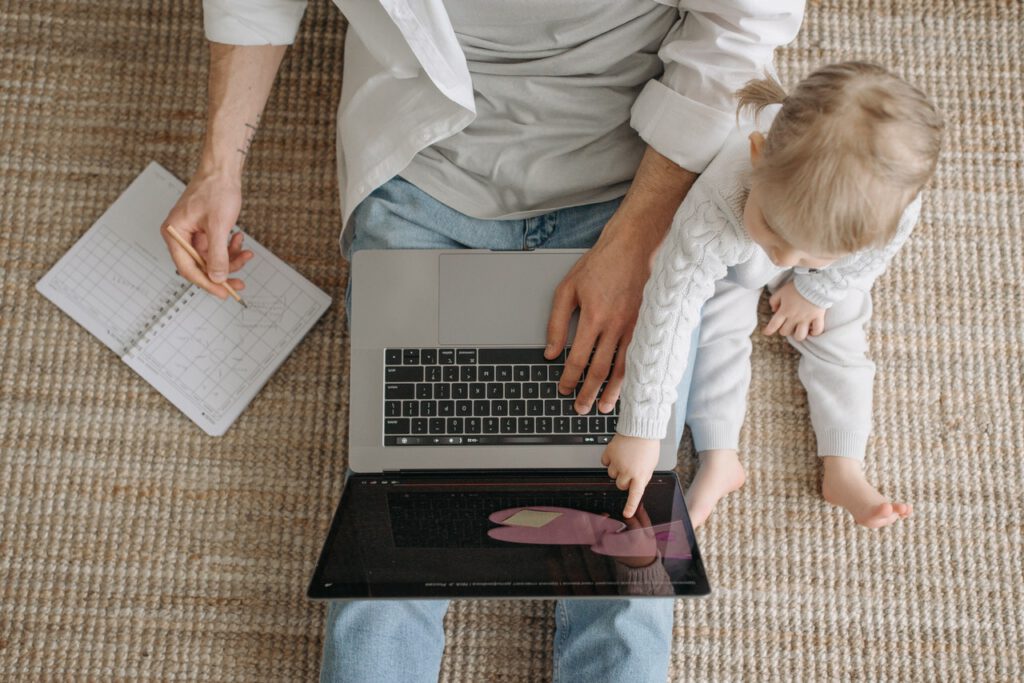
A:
x: 814, y: 210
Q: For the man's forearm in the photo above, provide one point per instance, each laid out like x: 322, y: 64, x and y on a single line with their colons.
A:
x: 240, y: 80
x: 646, y: 212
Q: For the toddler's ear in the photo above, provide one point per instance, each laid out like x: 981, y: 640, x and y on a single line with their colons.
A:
x: 756, y: 145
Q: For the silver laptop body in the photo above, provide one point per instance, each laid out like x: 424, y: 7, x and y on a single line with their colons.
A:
x: 452, y: 299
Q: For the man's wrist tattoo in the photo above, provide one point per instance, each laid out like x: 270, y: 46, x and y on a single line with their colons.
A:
x: 250, y: 133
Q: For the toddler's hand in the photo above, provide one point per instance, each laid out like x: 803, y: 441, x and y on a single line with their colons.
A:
x: 794, y: 315
x: 631, y: 463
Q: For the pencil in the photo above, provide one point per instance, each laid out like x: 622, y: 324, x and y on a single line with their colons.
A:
x: 199, y: 260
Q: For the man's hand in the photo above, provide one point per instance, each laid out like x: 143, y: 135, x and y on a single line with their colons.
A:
x: 204, y: 216
x: 631, y: 462
x: 607, y: 283
x: 794, y: 315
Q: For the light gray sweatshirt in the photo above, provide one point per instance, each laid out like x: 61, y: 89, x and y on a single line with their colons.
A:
x: 707, y: 243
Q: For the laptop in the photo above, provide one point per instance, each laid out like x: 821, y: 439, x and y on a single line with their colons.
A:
x: 471, y: 476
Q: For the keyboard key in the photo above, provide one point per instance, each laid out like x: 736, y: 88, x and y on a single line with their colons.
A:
x: 517, y: 408
x: 396, y: 425
x: 508, y: 425
x: 526, y: 425
x: 433, y: 373
x: 454, y: 425
x: 579, y: 425
x: 597, y: 425
x: 513, y: 390
x: 521, y: 373
x: 410, y: 356
x: 535, y: 407
x: 428, y: 356
x: 549, y: 390
x: 465, y: 408
x: 554, y: 373
x: 446, y: 356
x: 460, y: 390
x: 446, y: 408
x: 503, y: 373
x: 539, y: 373
x: 419, y: 425
x: 467, y: 373
x: 410, y: 409
x: 393, y: 357
x: 568, y: 407
x: 491, y: 425
x: 543, y: 425
x: 437, y: 425
x: 499, y: 408
x: 398, y: 391
x: 423, y: 391
x: 495, y: 391
x: 562, y: 425
x: 485, y: 373
x: 473, y: 425
x: 552, y: 406
x: 478, y: 390
x: 531, y: 390
x: 464, y: 356
x: 450, y: 373
x: 442, y: 391
x: 482, y: 408
x: 611, y: 423
x: 392, y: 408
x: 428, y: 408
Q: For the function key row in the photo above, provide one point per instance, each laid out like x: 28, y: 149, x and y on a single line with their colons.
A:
x: 488, y: 356
x: 472, y: 373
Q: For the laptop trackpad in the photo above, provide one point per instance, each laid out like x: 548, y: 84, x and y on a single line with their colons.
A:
x: 499, y: 298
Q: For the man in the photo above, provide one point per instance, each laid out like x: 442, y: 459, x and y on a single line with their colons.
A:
x: 499, y: 124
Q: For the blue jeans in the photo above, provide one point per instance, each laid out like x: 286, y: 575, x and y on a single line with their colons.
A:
x: 382, y: 641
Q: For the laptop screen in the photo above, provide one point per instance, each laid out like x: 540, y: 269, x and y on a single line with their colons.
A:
x: 507, y: 535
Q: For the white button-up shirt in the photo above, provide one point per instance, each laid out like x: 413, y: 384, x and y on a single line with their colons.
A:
x: 406, y: 84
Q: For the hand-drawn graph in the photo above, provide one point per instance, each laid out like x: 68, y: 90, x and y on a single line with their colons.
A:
x: 214, y: 351
x: 115, y: 287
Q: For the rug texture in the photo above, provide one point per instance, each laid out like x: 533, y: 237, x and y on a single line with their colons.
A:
x: 134, y: 547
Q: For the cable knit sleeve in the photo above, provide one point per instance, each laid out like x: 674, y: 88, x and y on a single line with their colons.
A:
x: 826, y: 286
x: 700, y: 246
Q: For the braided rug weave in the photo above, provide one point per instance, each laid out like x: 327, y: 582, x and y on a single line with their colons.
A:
x: 134, y: 547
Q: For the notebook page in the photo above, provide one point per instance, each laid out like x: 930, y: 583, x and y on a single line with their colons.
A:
x: 117, y: 279
x: 211, y: 357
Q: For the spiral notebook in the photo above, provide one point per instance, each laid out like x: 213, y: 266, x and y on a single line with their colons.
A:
x: 206, y: 356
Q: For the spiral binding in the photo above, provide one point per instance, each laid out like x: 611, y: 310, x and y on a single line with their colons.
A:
x: 165, y: 311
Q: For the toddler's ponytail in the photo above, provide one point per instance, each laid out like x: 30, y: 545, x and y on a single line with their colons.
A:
x: 759, y: 93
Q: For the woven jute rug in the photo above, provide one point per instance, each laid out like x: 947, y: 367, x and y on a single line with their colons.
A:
x: 134, y: 547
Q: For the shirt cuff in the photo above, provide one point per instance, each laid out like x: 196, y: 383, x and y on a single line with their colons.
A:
x: 804, y: 285
x: 641, y: 427
x: 236, y: 22
x: 684, y: 130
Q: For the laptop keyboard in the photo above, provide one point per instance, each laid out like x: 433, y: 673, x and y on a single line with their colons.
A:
x: 485, y: 396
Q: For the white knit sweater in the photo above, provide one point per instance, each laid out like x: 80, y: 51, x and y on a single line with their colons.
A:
x: 706, y: 239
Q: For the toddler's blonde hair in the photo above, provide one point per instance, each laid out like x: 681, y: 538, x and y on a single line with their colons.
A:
x: 849, y: 150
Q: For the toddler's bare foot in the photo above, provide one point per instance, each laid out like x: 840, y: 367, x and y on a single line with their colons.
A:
x: 846, y: 486
x: 718, y: 474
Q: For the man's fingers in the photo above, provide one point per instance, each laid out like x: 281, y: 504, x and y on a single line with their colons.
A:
x: 636, y: 493
x: 562, y: 306
x: 578, y: 358
x: 774, y: 324
x: 610, y: 394
x: 217, y: 261
x: 600, y: 366
x: 239, y: 260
